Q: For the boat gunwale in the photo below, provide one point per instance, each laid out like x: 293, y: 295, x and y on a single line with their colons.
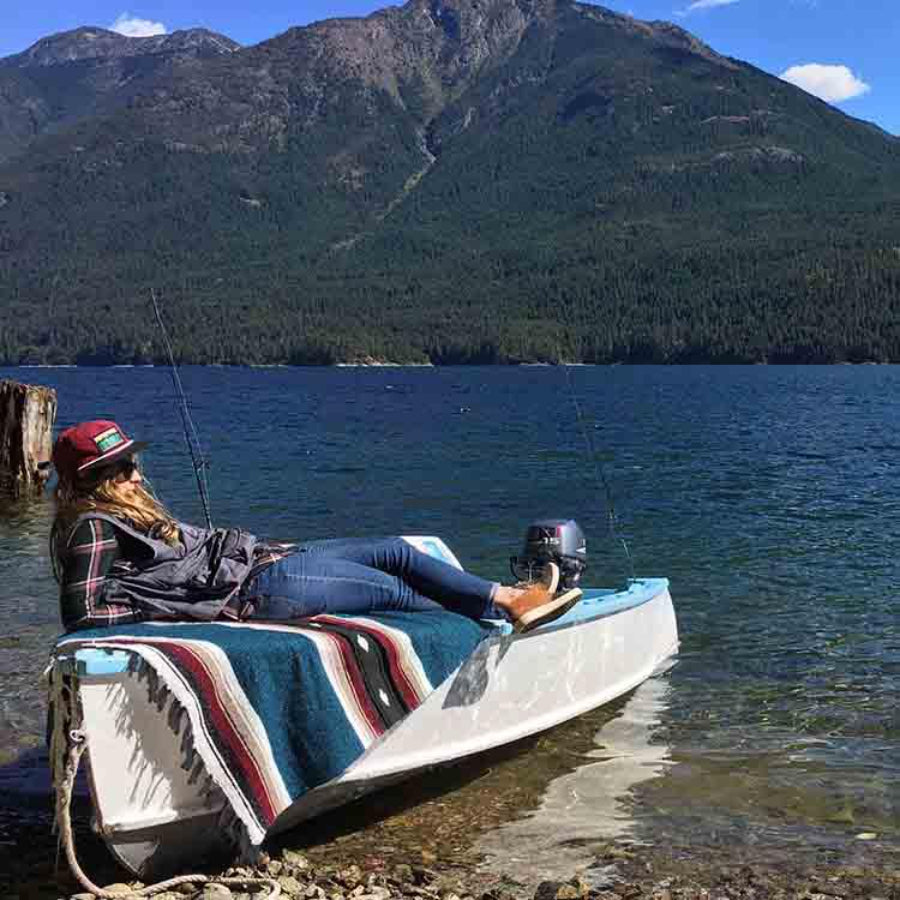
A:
x: 651, y: 589
x: 101, y: 661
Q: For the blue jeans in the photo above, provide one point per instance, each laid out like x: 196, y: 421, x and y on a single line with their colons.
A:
x: 365, y: 575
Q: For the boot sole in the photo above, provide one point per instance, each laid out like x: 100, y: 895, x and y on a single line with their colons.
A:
x: 547, y: 612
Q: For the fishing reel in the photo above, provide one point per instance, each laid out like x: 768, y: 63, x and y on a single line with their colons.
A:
x: 560, y: 541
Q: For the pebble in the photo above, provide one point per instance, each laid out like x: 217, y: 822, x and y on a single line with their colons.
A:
x: 423, y: 875
x: 351, y: 876
x: 216, y: 892
x: 547, y: 890
x: 617, y: 874
x: 568, y: 892
x: 290, y: 885
x: 828, y: 890
x: 297, y: 860
x: 241, y: 872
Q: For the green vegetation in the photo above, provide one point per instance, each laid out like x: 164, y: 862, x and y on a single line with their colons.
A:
x: 600, y: 195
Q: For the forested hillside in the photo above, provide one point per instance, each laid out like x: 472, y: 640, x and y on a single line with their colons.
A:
x: 469, y: 181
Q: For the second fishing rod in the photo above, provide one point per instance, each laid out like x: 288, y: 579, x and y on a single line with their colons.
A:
x: 199, y: 460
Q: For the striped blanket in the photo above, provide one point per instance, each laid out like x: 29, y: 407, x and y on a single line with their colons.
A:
x: 269, y: 711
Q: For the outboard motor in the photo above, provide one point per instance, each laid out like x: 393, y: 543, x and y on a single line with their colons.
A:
x: 552, y: 540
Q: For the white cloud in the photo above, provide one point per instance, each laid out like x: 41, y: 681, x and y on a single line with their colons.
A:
x: 697, y: 5
x: 830, y: 83
x: 131, y: 26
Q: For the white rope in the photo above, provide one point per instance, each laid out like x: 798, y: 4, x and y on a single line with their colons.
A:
x: 64, y: 783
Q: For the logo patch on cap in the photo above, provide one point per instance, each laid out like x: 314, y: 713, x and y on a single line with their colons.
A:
x: 108, y: 440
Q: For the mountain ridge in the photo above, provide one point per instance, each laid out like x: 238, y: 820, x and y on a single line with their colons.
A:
x: 91, y: 43
x: 463, y: 180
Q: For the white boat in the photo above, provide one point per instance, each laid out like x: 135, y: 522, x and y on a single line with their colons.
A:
x: 157, y: 817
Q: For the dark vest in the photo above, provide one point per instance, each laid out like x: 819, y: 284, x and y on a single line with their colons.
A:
x: 193, y: 580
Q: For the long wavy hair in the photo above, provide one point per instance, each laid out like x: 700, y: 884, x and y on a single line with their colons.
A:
x: 135, y: 505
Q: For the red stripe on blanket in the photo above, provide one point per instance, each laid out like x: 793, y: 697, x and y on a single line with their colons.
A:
x: 221, y: 731
x: 224, y: 732
x: 404, y: 686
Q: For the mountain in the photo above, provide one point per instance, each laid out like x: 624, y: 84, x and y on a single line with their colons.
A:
x: 88, y: 72
x: 98, y: 45
x: 450, y: 180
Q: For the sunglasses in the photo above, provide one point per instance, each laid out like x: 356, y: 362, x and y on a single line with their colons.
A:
x: 126, y: 469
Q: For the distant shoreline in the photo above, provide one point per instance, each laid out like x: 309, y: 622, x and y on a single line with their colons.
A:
x: 451, y: 365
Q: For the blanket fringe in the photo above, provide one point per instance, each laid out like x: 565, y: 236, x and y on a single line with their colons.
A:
x: 178, y: 720
x: 68, y: 743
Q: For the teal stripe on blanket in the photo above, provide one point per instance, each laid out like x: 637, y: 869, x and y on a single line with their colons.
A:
x: 282, y: 674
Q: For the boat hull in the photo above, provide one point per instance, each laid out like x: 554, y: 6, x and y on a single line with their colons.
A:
x: 155, y: 820
x: 512, y: 687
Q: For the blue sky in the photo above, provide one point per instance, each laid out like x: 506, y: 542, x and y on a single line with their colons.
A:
x: 845, y: 51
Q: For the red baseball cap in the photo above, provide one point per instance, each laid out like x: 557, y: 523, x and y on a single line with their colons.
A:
x: 89, y: 446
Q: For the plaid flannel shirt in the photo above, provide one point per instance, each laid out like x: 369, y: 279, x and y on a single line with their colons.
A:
x: 93, y: 553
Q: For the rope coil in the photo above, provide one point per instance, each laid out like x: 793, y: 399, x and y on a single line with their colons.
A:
x: 65, y: 769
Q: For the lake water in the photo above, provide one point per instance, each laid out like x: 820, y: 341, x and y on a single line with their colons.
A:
x: 769, y: 496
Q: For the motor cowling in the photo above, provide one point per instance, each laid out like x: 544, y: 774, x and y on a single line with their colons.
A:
x: 552, y: 540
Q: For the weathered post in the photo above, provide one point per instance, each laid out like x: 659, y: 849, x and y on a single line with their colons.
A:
x: 27, y: 414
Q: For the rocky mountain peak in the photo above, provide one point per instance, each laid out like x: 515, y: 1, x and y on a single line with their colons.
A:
x: 472, y: 15
x: 429, y: 49
x: 93, y: 43
x: 676, y: 38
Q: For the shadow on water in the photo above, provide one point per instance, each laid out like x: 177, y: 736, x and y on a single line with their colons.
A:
x: 439, y: 815
x: 443, y: 814
x: 545, y: 807
x: 373, y: 816
x: 593, y: 802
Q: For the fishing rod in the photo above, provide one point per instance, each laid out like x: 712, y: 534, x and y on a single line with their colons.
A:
x: 599, y: 473
x: 192, y: 439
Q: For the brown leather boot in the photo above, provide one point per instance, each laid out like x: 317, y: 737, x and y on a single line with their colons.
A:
x: 540, y: 603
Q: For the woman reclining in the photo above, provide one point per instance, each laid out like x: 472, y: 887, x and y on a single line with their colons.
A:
x: 121, y: 557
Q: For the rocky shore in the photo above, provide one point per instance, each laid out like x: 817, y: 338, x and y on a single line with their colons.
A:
x: 423, y: 848
x: 421, y: 842
x: 343, y: 869
x: 620, y: 872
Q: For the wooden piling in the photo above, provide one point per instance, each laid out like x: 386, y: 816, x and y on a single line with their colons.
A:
x: 27, y: 414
